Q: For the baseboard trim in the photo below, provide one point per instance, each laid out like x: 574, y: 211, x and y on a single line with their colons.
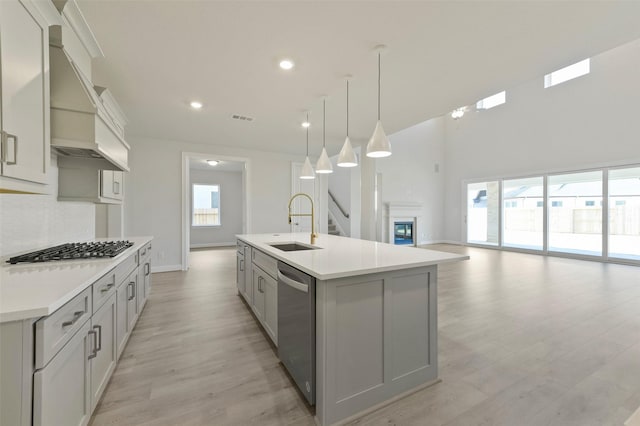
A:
x: 165, y: 268
x: 207, y: 245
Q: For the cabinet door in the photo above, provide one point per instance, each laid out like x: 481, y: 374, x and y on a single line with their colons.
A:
x: 117, y: 185
x: 103, y: 323
x: 24, y: 50
x: 258, y: 292
x: 271, y: 308
x: 61, y: 390
x: 147, y: 279
x: 248, y: 276
x: 240, y: 277
x: 122, y: 329
x: 140, y: 292
x: 132, y: 304
x: 106, y: 184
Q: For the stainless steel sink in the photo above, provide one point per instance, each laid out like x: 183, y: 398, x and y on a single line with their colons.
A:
x: 292, y: 246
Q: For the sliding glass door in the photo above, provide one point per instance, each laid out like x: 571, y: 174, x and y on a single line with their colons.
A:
x: 624, y: 213
x: 523, y: 214
x: 575, y: 213
x: 483, y: 213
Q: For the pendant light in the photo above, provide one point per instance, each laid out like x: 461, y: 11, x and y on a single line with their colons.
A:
x: 324, y: 163
x: 379, y: 145
x: 347, y: 158
x: 307, y: 170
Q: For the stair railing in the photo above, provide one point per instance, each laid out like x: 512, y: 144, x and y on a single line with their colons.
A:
x: 342, y: 210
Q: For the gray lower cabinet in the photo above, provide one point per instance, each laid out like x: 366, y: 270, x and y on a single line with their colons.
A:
x: 125, y: 310
x: 258, y: 292
x: 270, y: 287
x: 61, y: 390
x: 104, y: 362
x: 132, y: 303
x: 240, y: 276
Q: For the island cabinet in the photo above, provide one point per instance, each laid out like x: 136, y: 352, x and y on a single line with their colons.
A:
x: 244, y: 274
x: 265, y: 292
x: 375, y: 316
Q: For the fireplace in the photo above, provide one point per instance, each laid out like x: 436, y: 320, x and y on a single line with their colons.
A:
x: 403, y: 233
x: 403, y: 223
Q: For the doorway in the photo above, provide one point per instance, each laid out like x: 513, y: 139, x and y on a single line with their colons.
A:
x: 203, y: 214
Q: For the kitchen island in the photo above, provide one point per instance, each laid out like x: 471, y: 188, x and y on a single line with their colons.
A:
x: 375, y: 315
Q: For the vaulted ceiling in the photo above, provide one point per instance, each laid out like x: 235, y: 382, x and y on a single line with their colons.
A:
x: 159, y: 55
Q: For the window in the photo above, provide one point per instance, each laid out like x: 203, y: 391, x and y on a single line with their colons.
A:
x: 483, y: 212
x: 572, y: 227
x: 567, y: 73
x: 492, y: 101
x: 522, y: 223
x: 624, y: 213
x: 589, y: 203
x: 206, y: 205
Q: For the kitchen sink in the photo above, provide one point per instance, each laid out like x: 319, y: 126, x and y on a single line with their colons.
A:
x: 292, y: 246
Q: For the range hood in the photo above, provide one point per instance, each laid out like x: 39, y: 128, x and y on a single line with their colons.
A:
x: 81, y: 126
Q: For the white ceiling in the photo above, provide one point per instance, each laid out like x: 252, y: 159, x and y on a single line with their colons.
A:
x: 442, y: 55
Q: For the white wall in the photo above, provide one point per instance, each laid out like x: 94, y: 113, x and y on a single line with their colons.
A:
x: 587, y: 122
x: 230, y: 208
x: 410, y: 175
x: 154, y: 191
x: 29, y: 222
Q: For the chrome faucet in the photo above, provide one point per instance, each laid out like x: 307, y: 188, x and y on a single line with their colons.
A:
x: 313, y: 233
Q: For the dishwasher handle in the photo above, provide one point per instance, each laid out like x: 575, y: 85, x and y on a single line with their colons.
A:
x: 292, y: 283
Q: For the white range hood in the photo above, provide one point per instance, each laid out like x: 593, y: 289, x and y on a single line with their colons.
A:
x: 83, y: 123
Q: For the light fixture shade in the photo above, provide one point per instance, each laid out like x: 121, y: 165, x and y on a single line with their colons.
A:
x: 307, y: 170
x: 347, y: 157
x: 379, y: 145
x: 324, y: 163
x: 213, y: 162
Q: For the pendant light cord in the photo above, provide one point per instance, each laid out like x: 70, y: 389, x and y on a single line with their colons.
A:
x: 324, y: 119
x: 347, y: 107
x: 378, y: 86
x: 307, y: 136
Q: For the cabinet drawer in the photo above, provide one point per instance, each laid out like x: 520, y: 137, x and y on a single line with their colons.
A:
x: 103, y: 289
x: 144, y: 253
x: 54, y: 331
x: 125, y: 267
x: 266, y: 262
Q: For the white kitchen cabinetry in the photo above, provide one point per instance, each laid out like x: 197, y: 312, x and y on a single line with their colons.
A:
x: 78, y: 181
x: 126, y: 310
x: 240, y: 269
x: 144, y: 276
x: 265, y: 292
x: 244, y: 278
x: 61, y: 390
x: 104, y: 362
x: 24, y: 106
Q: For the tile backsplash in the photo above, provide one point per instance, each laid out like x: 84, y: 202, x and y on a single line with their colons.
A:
x: 29, y: 222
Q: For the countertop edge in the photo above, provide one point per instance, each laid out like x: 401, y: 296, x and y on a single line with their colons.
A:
x: 277, y: 254
x: 42, y: 311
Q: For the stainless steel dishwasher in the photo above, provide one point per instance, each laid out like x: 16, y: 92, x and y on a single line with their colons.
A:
x: 297, y: 327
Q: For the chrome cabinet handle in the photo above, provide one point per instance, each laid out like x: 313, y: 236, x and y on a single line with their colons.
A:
x: 99, y: 338
x: 242, y: 264
x: 108, y: 286
x: 94, y: 352
x: 144, y: 252
x: 5, y: 148
x: 76, y: 317
x: 132, y: 285
x: 147, y: 267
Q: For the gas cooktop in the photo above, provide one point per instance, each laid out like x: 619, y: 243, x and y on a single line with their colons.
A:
x: 72, y: 251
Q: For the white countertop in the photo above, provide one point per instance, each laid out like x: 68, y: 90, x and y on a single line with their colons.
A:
x: 33, y: 290
x: 339, y: 257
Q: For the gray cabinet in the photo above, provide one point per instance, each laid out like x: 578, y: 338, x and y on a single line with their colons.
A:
x: 79, y: 180
x: 144, y: 276
x: 61, y: 390
x: 24, y: 104
x: 103, y: 323
x: 240, y: 270
x: 126, y: 309
x: 259, y: 277
x: 270, y: 287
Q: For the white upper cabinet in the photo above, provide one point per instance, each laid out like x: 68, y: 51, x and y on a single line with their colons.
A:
x: 24, y: 111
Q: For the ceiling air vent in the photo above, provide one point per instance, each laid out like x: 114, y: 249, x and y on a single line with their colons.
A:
x: 241, y: 117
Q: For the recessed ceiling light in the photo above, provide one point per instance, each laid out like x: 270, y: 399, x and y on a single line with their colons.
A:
x: 195, y: 104
x: 286, y: 64
x: 213, y: 162
x: 306, y: 124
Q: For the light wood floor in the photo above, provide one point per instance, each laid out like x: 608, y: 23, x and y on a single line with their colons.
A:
x: 524, y: 340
